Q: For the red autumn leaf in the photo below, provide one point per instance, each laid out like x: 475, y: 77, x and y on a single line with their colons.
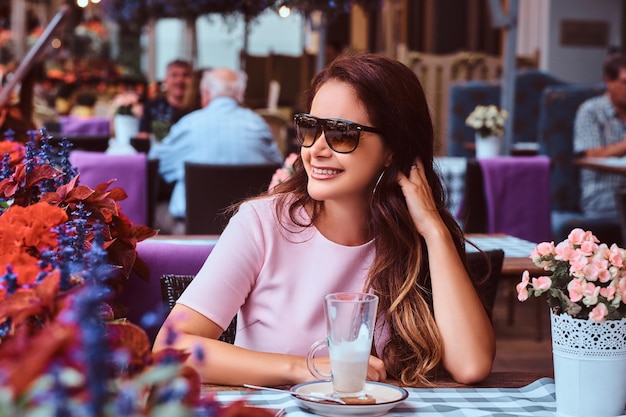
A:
x: 141, y: 233
x: 19, y: 306
x: 55, y: 197
x: 15, y: 150
x: 41, y: 172
x: 239, y: 408
x: 126, y: 335
x: 194, y: 382
x: 52, y: 341
x: 118, y: 194
x: 48, y: 289
x: 167, y: 354
x: 101, y: 188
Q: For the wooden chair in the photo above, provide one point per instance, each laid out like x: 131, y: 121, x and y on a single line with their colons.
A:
x: 485, y: 269
x: 172, y: 286
x: 141, y: 145
x: 82, y: 143
x: 211, y: 189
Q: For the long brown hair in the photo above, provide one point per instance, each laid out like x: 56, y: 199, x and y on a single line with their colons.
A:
x: 395, y: 103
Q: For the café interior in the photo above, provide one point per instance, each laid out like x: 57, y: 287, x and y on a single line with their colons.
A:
x: 67, y: 66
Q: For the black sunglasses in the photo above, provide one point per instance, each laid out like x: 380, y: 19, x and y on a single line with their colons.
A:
x: 342, y: 136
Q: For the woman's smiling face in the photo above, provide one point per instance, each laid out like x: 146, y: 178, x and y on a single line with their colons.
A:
x: 337, y: 176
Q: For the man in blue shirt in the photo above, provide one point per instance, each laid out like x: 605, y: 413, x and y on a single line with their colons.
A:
x: 221, y: 132
x: 600, y: 131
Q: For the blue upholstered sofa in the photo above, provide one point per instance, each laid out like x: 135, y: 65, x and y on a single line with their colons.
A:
x: 555, y: 131
x: 465, y: 96
x: 545, y: 108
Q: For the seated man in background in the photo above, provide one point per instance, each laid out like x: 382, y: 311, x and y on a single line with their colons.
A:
x: 221, y: 132
x: 600, y: 131
x: 162, y: 112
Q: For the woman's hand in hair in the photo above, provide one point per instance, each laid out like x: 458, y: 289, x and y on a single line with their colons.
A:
x: 420, y: 201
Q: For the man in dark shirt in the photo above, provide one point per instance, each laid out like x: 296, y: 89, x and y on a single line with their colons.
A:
x: 162, y: 112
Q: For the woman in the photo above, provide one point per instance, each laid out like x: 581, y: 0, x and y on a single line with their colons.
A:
x: 363, y: 211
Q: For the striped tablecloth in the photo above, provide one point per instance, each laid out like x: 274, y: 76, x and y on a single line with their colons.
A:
x: 512, y: 246
x: 535, y: 399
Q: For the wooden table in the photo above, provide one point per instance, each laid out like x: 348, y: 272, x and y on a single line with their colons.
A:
x: 614, y: 165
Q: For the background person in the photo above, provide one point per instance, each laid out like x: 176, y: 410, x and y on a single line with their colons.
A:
x: 600, y: 131
x: 222, y: 132
x: 161, y: 113
x: 363, y: 211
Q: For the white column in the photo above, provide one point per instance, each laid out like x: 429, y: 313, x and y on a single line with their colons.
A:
x: 18, y: 27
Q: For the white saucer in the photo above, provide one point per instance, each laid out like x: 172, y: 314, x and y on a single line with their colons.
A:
x: 387, y: 396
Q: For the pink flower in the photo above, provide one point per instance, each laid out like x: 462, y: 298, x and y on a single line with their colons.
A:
x: 590, y: 272
x: 604, y: 275
x: 542, y: 283
x: 599, y: 312
x: 608, y: 292
x: 621, y: 287
x: 590, y: 294
x: 564, y: 251
x: 585, y: 274
x: 587, y: 248
x: 577, y: 266
x: 522, y: 287
x: 575, y: 290
x: 576, y: 236
x: 615, y: 256
x: 543, y: 249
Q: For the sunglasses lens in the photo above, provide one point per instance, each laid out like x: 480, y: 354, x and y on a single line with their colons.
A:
x: 307, y: 130
x: 341, y: 137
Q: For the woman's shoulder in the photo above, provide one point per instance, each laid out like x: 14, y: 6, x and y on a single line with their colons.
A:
x: 273, y: 213
x: 269, y: 207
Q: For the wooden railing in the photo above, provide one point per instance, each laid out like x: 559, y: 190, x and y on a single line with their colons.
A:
x: 437, y: 72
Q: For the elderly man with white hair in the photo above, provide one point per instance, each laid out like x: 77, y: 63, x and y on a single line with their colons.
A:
x: 221, y: 132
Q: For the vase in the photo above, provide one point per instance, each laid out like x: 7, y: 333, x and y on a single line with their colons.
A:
x: 487, y: 146
x: 125, y: 127
x: 589, y: 366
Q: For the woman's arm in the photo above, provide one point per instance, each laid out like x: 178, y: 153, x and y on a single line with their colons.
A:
x: 221, y: 363
x: 467, y: 333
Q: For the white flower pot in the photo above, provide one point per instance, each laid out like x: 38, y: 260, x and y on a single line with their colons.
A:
x: 125, y: 127
x: 589, y: 366
x: 487, y: 146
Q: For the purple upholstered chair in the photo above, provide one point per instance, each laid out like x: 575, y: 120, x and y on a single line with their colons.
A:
x: 79, y: 126
x: 130, y: 172
x: 171, y: 256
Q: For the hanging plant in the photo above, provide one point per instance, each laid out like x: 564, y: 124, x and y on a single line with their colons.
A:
x: 331, y: 7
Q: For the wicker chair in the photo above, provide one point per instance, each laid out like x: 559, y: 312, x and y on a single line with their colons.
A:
x: 172, y: 286
x: 485, y: 269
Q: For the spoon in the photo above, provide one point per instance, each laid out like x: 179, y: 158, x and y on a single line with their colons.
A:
x: 311, y: 395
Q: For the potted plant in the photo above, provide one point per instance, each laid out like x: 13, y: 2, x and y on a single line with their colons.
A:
x: 65, y: 252
x: 127, y: 110
x: 585, y: 285
x: 488, y: 122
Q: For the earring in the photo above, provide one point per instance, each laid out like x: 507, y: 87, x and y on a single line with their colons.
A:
x: 378, y: 182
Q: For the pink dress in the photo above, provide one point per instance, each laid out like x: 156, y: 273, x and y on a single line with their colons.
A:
x: 274, y: 279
